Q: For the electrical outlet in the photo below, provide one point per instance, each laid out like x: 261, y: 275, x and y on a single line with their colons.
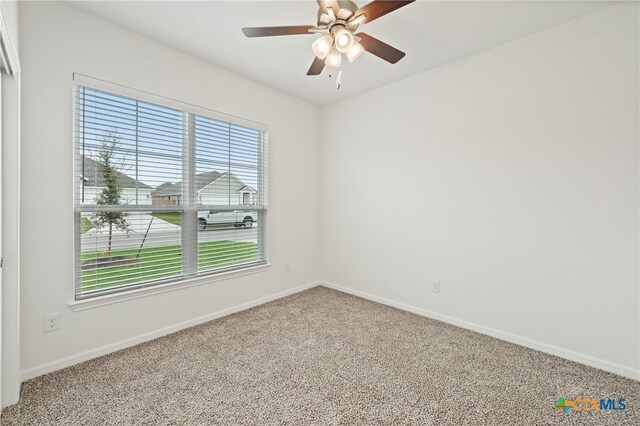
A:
x: 287, y: 266
x: 436, y: 287
x: 51, y: 323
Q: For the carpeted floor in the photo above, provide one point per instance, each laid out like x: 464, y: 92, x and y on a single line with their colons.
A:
x: 326, y: 358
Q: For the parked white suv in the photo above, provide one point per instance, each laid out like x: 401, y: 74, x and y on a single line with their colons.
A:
x: 237, y: 217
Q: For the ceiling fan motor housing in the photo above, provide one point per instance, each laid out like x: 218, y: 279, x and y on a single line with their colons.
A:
x: 347, y: 9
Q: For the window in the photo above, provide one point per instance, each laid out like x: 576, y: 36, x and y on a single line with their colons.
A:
x: 160, y: 190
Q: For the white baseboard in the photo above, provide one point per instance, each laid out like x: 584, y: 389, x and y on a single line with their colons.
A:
x: 107, y: 349
x: 512, y: 338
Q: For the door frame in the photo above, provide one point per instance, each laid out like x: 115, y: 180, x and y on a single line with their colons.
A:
x: 10, y: 375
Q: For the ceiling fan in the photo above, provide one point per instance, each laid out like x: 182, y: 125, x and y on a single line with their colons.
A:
x: 337, y: 22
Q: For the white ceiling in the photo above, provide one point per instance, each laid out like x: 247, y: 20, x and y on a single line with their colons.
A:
x: 431, y: 33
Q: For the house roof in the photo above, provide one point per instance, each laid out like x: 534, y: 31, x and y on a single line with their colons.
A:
x: 164, y: 189
x: 201, y: 180
x: 93, y: 176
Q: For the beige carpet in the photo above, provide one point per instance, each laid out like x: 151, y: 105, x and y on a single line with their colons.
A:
x: 326, y: 358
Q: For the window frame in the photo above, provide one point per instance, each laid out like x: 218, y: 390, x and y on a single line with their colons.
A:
x: 188, y: 208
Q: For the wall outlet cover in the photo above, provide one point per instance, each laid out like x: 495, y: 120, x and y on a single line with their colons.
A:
x: 51, y: 323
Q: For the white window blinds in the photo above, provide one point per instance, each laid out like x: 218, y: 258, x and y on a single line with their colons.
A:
x: 163, y: 190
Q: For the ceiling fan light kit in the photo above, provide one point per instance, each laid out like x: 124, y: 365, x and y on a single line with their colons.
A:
x: 337, y: 22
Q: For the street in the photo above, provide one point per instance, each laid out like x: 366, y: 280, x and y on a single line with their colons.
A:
x: 160, y: 233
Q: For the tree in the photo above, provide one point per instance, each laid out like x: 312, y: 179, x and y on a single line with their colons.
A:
x: 112, y: 192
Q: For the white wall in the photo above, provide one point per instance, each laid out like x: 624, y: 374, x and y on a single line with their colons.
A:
x: 512, y: 177
x: 57, y: 40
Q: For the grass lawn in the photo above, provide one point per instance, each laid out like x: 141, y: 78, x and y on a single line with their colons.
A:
x: 157, y: 263
x: 85, y: 225
x: 171, y: 217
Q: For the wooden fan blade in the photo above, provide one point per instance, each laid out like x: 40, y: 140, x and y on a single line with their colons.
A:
x: 378, y: 8
x: 333, y: 4
x: 277, y: 31
x: 316, y: 67
x: 380, y: 49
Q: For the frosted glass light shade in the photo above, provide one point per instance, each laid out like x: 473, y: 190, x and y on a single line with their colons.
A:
x: 355, y: 51
x: 344, y: 40
x: 322, y: 46
x: 334, y: 58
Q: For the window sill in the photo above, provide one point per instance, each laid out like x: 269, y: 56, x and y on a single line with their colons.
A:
x: 96, y: 302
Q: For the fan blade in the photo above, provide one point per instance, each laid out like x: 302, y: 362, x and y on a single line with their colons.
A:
x: 316, y: 67
x: 380, y: 49
x: 378, y: 8
x: 333, y: 4
x: 277, y: 31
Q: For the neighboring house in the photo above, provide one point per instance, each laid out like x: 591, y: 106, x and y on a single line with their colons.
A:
x: 212, y: 188
x: 93, y: 184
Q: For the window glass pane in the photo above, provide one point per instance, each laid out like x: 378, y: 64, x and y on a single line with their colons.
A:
x: 227, y: 238
x: 226, y: 163
x: 137, y: 247
x: 128, y: 152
